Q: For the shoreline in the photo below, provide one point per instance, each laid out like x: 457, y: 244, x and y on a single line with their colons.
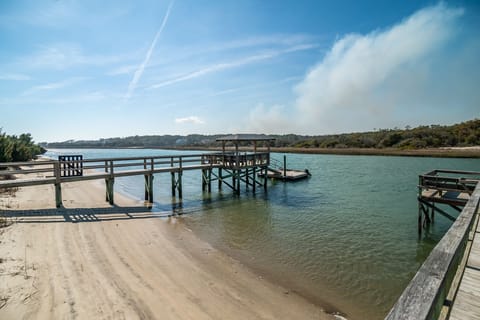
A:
x: 444, y: 152
x: 132, y: 259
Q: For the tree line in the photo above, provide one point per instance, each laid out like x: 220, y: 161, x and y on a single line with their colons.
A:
x: 435, y: 136
x: 18, y: 148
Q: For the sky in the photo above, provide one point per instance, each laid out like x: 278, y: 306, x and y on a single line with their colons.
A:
x: 98, y: 69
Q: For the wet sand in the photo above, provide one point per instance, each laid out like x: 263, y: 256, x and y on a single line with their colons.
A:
x: 94, y: 261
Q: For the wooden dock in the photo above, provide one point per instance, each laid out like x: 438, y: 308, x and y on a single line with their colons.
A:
x: 226, y: 168
x: 447, y: 285
x: 441, y: 189
x: 230, y: 168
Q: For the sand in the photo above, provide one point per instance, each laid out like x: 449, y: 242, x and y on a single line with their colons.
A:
x: 122, y: 262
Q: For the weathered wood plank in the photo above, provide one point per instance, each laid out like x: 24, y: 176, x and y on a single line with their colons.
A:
x: 467, y: 302
x: 25, y: 182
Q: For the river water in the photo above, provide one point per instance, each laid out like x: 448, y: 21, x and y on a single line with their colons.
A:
x: 346, y: 238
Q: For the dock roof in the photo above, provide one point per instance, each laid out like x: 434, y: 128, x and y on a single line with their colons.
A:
x: 246, y: 137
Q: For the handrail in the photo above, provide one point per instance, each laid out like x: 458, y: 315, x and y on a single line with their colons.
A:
x: 128, y: 165
x: 425, y: 294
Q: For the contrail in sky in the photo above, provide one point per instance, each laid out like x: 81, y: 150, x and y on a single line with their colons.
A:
x: 138, y: 74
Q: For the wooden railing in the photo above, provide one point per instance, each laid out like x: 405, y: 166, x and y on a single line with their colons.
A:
x: 55, y: 171
x: 236, y: 161
x: 71, y: 169
x: 426, y: 294
x: 446, y: 180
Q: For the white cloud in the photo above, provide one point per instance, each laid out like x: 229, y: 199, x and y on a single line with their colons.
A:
x: 53, y: 85
x: 232, y: 64
x: 364, y: 80
x: 138, y: 74
x: 14, y: 77
x: 61, y: 56
x: 190, y: 120
x: 127, y: 69
x: 271, y: 120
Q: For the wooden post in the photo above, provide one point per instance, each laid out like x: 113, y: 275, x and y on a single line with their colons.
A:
x: 106, y: 181
x: 254, y: 178
x: 58, y: 185
x: 204, y: 183
x: 209, y: 180
x: 420, y: 212
x: 220, y: 179
x: 284, y: 165
x: 247, y: 172
x: 234, y: 181
x: 149, y: 188
x: 146, y: 179
x: 239, y: 173
x: 265, y: 172
x: 180, y: 194
x: 110, y: 182
x: 173, y: 178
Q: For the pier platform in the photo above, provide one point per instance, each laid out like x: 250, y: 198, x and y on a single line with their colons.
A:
x: 288, y: 175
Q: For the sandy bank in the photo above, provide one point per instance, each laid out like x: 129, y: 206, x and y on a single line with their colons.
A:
x: 122, y: 263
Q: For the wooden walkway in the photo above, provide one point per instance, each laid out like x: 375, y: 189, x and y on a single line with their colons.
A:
x: 466, y: 304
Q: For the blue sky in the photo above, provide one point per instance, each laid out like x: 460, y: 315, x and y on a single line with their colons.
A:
x: 98, y: 69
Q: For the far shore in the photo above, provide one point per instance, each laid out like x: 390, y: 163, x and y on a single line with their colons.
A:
x: 446, y: 152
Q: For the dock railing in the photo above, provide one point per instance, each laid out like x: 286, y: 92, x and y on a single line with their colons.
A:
x: 75, y: 168
x: 98, y: 168
x: 449, y: 180
x: 430, y: 292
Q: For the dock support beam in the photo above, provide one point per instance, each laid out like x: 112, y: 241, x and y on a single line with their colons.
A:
x: 58, y: 195
x: 177, y: 181
x: 149, y: 188
x: 265, y: 172
x: 109, y: 192
x: 254, y: 169
x: 109, y: 182
x: 207, y: 180
x: 177, y: 184
x: 58, y: 185
x: 220, y: 179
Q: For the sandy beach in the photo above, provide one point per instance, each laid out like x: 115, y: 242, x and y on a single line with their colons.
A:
x: 94, y: 261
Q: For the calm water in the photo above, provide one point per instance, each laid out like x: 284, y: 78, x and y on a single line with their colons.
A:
x: 346, y: 237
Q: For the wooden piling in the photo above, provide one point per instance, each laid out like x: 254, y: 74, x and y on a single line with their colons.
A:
x: 58, y: 185
x: 209, y: 180
x: 220, y: 179
x: 172, y: 174
x: 109, y: 183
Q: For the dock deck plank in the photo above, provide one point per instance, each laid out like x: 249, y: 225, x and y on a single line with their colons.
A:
x: 467, y: 302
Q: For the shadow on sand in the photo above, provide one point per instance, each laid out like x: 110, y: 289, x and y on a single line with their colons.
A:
x: 75, y: 215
